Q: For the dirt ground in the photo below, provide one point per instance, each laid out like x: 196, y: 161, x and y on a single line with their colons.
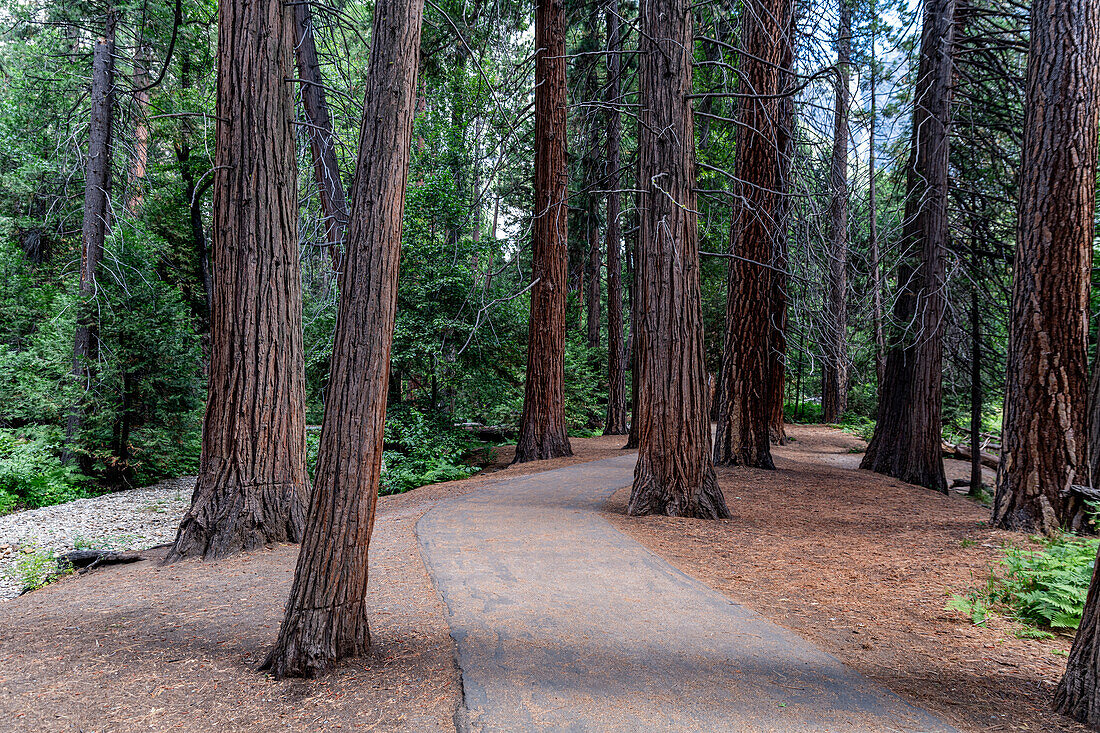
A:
x: 862, y: 565
x: 149, y: 648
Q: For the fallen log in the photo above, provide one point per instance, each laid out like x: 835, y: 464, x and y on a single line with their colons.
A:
x: 85, y: 560
x: 963, y: 453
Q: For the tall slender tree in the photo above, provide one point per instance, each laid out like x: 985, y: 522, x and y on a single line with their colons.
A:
x: 322, y: 143
x: 674, y: 474
x: 834, y: 377
x: 745, y: 411
x: 1045, y: 438
x: 778, y: 301
x: 326, y: 616
x: 542, y: 431
x: 252, y: 485
x: 907, y: 440
x: 615, y: 424
x: 93, y: 232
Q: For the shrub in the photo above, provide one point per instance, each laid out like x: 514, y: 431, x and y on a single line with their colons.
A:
x: 1047, y: 586
x: 36, y: 569
x: 31, y: 474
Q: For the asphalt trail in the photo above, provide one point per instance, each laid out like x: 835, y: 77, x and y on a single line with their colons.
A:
x: 563, y: 623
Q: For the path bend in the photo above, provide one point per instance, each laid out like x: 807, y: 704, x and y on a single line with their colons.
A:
x: 561, y: 622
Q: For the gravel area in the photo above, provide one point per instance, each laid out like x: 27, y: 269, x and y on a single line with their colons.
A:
x: 136, y: 519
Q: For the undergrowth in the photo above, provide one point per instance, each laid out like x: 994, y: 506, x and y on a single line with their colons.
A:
x: 31, y: 474
x: 1042, y: 587
x: 36, y: 569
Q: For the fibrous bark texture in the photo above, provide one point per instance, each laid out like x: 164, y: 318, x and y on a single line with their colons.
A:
x: 1045, y: 438
x: 322, y: 144
x: 97, y: 192
x: 746, y: 410
x: 778, y: 311
x: 326, y: 615
x: 615, y: 423
x: 674, y: 474
x: 543, y: 432
x: 907, y: 439
x: 834, y: 375
x: 252, y: 486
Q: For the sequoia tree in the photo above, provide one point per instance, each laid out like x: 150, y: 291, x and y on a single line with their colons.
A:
x: 93, y: 232
x: 745, y: 410
x: 1045, y: 438
x: 326, y: 617
x: 252, y: 485
x: 834, y: 372
x: 616, y: 356
x: 674, y: 474
x: 907, y: 440
x: 542, y: 430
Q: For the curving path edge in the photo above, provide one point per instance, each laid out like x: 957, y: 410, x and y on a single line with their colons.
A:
x: 561, y: 622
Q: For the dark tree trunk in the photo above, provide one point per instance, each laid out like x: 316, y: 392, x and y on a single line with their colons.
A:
x: 616, y: 357
x: 746, y: 412
x: 975, y: 372
x: 1094, y: 420
x: 632, y: 293
x: 326, y: 617
x: 592, y: 182
x: 876, y: 267
x: 907, y: 443
x: 1045, y: 439
x: 193, y: 192
x: 322, y: 146
x: 834, y: 375
x: 252, y: 485
x: 592, y: 288
x: 778, y: 304
x: 674, y: 474
x: 542, y: 431
x: 97, y: 193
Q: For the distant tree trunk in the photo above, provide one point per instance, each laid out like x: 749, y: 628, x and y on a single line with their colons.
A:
x: 632, y: 293
x: 975, y: 373
x: 834, y: 377
x: 326, y: 617
x: 592, y: 181
x: 907, y: 443
x: 322, y: 145
x: 252, y: 485
x: 616, y: 357
x: 674, y: 473
x: 1045, y: 438
x: 543, y: 432
x: 193, y: 192
x: 592, y: 290
x: 778, y: 301
x: 876, y: 267
x: 746, y: 411
x: 97, y: 193
x: 140, y: 156
x: 1094, y: 420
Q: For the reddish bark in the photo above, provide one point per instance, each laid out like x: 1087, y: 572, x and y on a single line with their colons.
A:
x: 674, y: 474
x: 252, y: 485
x: 616, y: 357
x: 542, y: 431
x: 1045, y: 440
x: 747, y: 406
x: 326, y: 616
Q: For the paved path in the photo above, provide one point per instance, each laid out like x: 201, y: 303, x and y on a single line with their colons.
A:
x: 564, y: 623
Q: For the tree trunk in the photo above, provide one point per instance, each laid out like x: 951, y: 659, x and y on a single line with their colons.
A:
x: 975, y: 373
x: 93, y: 232
x: 322, y: 145
x: 1045, y: 440
x: 543, y: 432
x: 834, y: 377
x: 907, y: 439
x: 252, y: 485
x: 674, y: 474
x: 326, y: 617
x: 616, y: 357
x: 745, y: 414
x: 876, y: 267
x: 778, y: 301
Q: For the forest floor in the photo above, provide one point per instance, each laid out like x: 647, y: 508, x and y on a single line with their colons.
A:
x: 863, y: 565
x: 856, y: 563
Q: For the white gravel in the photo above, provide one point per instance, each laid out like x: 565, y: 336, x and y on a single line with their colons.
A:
x: 136, y: 519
